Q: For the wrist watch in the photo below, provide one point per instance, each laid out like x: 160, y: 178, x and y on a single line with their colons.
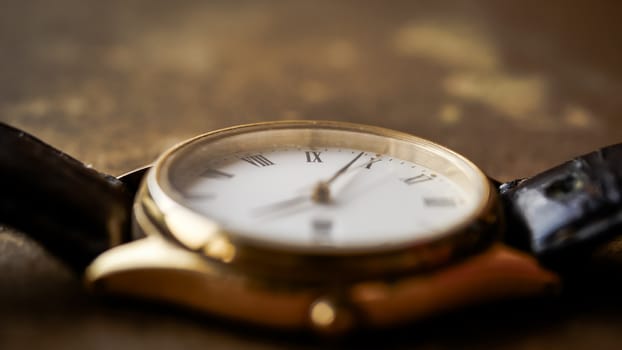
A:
x: 319, y: 225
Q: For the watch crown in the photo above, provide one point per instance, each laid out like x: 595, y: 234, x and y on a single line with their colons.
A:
x: 331, y: 317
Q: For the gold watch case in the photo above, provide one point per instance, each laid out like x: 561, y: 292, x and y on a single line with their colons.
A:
x: 188, y: 259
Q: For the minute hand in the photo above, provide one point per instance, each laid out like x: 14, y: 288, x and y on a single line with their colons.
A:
x: 289, y: 202
x: 343, y: 169
x: 321, y: 192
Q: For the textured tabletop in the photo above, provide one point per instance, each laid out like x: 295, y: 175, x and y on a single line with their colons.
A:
x: 516, y: 86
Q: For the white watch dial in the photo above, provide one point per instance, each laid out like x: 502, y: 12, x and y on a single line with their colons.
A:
x: 323, y: 189
x: 378, y: 200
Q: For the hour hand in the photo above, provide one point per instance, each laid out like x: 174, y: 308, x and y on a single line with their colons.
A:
x: 280, y: 205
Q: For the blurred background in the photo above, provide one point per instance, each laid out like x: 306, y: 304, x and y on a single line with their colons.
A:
x: 516, y: 86
x: 116, y: 82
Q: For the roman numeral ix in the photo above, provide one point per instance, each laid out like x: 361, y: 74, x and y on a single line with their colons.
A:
x: 313, y: 157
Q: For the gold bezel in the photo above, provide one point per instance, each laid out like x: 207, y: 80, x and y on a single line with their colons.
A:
x: 157, y: 213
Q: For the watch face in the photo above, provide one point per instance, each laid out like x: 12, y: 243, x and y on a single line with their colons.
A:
x: 321, y: 186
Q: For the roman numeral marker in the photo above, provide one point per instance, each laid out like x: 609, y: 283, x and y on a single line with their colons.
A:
x: 200, y: 196
x: 215, y: 174
x: 313, y: 157
x: 258, y: 160
x: 418, y: 179
x: 439, y: 202
x: 322, y: 227
x: 371, y: 162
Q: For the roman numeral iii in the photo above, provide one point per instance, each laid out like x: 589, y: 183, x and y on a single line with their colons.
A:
x: 418, y: 179
x: 258, y: 160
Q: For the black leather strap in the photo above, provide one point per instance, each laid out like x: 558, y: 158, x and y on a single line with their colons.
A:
x: 73, y: 210
x: 561, y: 214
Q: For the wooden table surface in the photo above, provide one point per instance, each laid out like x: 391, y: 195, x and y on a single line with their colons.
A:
x: 516, y: 86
